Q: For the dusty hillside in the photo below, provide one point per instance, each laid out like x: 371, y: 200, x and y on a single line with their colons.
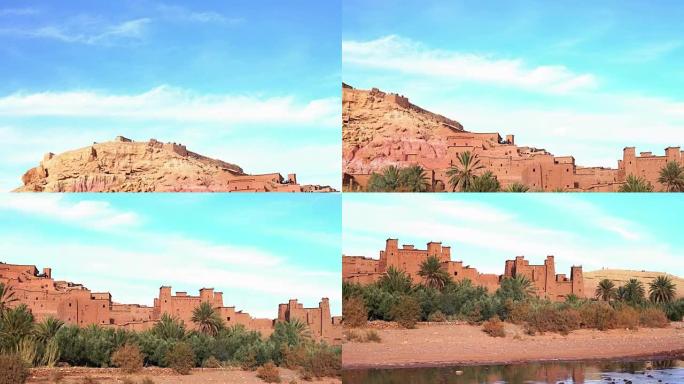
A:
x: 377, y: 125
x: 123, y: 165
x: 621, y: 276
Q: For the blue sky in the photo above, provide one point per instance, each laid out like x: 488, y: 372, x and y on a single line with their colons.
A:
x: 251, y: 82
x: 622, y: 231
x: 260, y: 250
x: 576, y: 80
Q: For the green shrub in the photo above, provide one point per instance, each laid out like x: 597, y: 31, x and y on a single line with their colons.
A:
x: 354, y: 312
x: 269, y: 373
x: 128, y: 358
x: 494, y: 327
x: 181, y: 358
x: 437, y: 317
x: 406, y: 312
x: 13, y: 369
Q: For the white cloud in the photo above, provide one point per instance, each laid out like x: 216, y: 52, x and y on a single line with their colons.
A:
x: 167, y: 103
x: 369, y: 220
x: 410, y: 57
x: 152, y: 259
x: 84, y: 32
x: 85, y: 213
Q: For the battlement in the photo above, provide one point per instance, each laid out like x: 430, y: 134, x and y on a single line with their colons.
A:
x: 547, y: 283
x: 75, y: 304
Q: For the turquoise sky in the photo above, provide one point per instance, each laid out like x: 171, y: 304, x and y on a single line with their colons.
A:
x: 577, y: 80
x: 624, y: 231
x: 260, y: 250
x: 254, y: 83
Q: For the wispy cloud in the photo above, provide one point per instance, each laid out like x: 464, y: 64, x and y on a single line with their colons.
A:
x: 168, y: 103
x: 413, y: 58
x: 650, y: 52
x: 98, y: 215
x: 178, y: 13
x: 77, y: 31
x: 19, y: 11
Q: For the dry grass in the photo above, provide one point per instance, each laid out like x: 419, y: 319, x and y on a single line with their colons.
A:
x: 269, y: 373
x: 494, y: 327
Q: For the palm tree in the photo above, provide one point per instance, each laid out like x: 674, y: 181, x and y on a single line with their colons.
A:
x: 516, y: 288
x: 15, y: 324
x: 636, y: 184
x: 387, y: 181
x: 47, y: 329
x: 433, y: 274
x: 486, y: 182
x: 633, y: 292
x: 291, y: 333
x: 413, y: 179
x: 460, y: 177
x: 517, y: 187
x: 672, y: 177
x: 661, y: 290
x: 605, y: 290
x: 169, y: 328
x: 6, y: 297
x: 207, y: 319
x: 395, y: 281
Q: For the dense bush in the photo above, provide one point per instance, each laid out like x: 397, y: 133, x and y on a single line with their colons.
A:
x: 354, y: 312
x: 211, y: 362
x: 406, y: 312
x: 627, y: 317
x: 181, y: 358
x: 322, y: 361
x: 653, y: 317
x: 13, y: 370
x: 128, y: 358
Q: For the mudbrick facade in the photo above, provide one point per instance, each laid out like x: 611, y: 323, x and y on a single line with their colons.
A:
x: 124, y: 165
x: 547, y: 283
x: 382, y: 129
x: 75, y: 304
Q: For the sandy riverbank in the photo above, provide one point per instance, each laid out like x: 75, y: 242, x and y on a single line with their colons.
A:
x: 76, y: 375
x: 438, y: 344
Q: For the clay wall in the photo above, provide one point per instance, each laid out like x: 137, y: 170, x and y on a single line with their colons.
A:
x: 74, y: 304
x: 536, y: 168
x: 546, y: 282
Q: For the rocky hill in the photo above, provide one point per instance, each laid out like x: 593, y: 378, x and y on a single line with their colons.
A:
x: 124, y: 165
x: 378, y: 126
x: 621, y: 276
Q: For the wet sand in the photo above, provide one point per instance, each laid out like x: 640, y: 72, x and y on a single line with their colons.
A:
x: 76, y: 375
x: 441, y: 344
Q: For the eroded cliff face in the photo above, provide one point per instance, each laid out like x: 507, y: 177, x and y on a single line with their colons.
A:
x: 380, y: 127
x: 123, y: 165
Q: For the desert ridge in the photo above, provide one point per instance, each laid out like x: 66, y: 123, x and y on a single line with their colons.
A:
x: 124, y: 165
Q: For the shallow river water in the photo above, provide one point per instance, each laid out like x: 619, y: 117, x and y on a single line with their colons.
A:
x: 605, y: 372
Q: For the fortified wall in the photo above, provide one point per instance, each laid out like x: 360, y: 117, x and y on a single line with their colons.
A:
x: 364, y: 270
x: 75, y: 304
x: 382, y: 129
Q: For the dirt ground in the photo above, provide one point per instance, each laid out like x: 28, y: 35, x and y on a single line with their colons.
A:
x: 78, y: 375
x: 437, y: 344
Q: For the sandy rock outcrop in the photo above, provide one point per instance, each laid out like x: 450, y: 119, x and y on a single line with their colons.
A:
x: 378, y: 126
x: 124, y: 165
